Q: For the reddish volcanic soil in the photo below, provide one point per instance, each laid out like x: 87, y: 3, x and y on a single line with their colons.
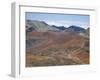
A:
x: 65, y: 47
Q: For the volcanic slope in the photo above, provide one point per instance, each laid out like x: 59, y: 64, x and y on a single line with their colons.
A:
x: 51, y: 48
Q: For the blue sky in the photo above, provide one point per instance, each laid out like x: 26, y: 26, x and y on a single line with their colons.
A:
x: 60, y: 19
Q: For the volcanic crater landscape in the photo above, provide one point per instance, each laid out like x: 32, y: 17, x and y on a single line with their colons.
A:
x: 51, y: 45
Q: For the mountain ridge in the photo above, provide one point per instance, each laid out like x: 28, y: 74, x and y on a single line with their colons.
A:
x: 35, y: 25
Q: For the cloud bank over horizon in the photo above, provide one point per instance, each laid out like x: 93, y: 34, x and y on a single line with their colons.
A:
x: 60, y: 19
x: 68, y: 23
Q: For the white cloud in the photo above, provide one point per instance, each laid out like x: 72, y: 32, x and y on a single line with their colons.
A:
x: 68, y: 23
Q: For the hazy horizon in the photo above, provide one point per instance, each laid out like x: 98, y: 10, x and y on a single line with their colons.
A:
x: 60, y: 19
